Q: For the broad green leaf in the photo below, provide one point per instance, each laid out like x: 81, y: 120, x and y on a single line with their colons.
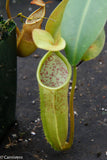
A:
x: 44, y: 40
x: 54, y: 21
x: 95, y: 49
x: 82, y: 22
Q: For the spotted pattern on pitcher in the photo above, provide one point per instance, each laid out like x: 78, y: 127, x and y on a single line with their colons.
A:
x: 53, y: 72
x: 53, y: 75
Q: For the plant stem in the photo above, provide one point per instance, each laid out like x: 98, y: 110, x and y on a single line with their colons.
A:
x: 71, y: 105
x: 71, y: 101
x: 7, y: 9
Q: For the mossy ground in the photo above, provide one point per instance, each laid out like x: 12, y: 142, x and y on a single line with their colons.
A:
x: 6, y: 26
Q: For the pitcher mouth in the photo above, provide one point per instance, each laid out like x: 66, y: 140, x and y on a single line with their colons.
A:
x: 35, y: 15
x: 54, y: 70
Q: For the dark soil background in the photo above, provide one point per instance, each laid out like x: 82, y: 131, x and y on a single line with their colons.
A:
x: 26, y: 137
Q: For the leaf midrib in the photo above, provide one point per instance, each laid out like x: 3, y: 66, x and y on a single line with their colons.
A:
x: 80, y: 27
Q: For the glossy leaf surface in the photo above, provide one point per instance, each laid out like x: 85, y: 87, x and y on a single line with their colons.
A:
x: 95, y: 49
x: 82, y: 22
x: 44, y: 40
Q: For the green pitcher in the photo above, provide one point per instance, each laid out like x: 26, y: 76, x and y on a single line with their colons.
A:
x: 53, y: 75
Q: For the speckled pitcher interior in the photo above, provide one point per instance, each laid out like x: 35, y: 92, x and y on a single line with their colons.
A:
x: 54, y: 71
